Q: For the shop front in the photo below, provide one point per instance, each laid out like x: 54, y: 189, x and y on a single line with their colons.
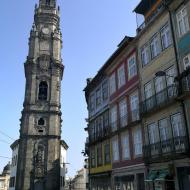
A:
x: 100, y: 181
x: 160, y: 180
x: 183, y: 178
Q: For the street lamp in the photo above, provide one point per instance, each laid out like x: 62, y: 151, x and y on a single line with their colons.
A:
x: 162, y: 74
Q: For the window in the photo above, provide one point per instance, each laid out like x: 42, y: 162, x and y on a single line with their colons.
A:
x: 92, y: 102
x: 106, y: 123
x: 2, y: 184
x: 107, y: 153
x: 186, y: 61
x: 134, y: 103
x: 132, y: 68
x: 121, y: 75
x: 98, y: 97
x: 145, y: 55
x: 148, y: 92
x: 123, y: 112
x: 105, y: 91
x: 182, y: 21
x: 153, y: 133
x: 112, y: 84
x: 125, y: 146
x: 164, y: 129
x: 155, y: 46
x: 170, y: 76
x: 115, y: 149
x: 177, y: 125
x: 166, y: 36
x: 99, y: 126
x: 43, y: 91
x: 114, y: 118
x: 41, y: 122
x: 159, y: 84
x: 137, y: 139
x: 93, y: 158
x: 12, y: 182
x: 99, y: 155
x: 159, y: 87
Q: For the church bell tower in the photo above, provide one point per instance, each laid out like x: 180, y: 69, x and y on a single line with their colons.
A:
x: 40, y: 132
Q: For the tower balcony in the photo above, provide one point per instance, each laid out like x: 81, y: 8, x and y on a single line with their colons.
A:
x: 173, y: 148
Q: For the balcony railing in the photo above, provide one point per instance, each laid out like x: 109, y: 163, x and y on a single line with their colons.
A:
x: 159, y: 99
x: 100, y: 134
x: 165, y: 149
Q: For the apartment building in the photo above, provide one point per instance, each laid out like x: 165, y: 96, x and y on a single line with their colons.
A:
x: 98, y: 145
x: 126, y: 138
x: 166, y: 139
x: 149, y: 101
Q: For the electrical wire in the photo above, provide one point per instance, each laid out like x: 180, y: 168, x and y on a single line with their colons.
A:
x: 7, y: 135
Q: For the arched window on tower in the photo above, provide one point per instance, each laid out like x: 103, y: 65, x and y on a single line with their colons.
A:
x: 43, y: 91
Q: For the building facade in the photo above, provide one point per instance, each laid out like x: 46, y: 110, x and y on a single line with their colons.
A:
x: 13, y: 167
x: 149, y: 113
x: 166, y: 148
x: 79, y: 181
x: 98, y: 145
x: 5, y: 178
x: 63, y: 164
x: 38, y: 165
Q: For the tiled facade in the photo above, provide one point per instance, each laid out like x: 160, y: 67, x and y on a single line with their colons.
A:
x: 149, y: 102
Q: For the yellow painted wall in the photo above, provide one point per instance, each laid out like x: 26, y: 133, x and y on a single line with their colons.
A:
x: 104, y: 167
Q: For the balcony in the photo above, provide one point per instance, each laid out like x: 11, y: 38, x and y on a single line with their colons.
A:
x: 159, y: 100
x: 166, y: 150
x: 100, y: 135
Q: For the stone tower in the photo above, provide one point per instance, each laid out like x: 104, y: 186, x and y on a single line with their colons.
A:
x: 40, y: 132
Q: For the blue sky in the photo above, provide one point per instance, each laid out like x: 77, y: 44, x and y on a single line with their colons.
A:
x: 91, y: 32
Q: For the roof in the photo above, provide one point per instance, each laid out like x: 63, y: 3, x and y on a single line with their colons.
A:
x: 98, y: 77
x: 14, y: 144
x: 64, y: 144
x: 144, y: 6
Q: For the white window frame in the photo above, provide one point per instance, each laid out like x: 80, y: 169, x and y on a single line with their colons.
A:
x: 148, y: 90
x: 166, y: 36
x: 145, y: 55
x: 112, y: 83
x: 125, y: 146
x: 132, y: 66
x: 155, y: 46
x: 137, y: 141
x: 159, y: 84
x: 123, y: 114
x: 182, y: 21
x: 153, y: 133
x: 134, y: 106
x: 113, y: 117
x: 115, y: 149
x: 164, y: 129
x: 177, y: 125
x: 121, y: 76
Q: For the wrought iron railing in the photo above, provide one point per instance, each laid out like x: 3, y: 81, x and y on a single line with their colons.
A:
x: 161, y: 98
x: 166, y: 148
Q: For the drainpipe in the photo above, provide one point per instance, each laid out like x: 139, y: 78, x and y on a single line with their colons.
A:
x: 178, y: 69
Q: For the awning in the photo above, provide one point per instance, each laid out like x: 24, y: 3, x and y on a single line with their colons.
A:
x: 152, y: 175
x: 163, y: 174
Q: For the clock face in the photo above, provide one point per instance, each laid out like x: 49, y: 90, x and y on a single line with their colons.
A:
x: 45, y: 30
